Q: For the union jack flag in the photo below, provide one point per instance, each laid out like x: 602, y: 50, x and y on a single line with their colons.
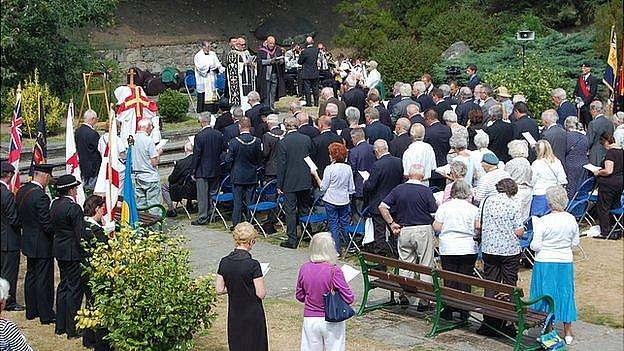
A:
x: 15, y: 145
x: 40, y: 150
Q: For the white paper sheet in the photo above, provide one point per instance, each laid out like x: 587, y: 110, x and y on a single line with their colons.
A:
x: 529, y: 138
x: 191, y: 139
x: 162, y: 143
x: 591, y: 167
x: 310, y: 163
x: 365, y: 175
x: 444, y: 170
x: 349, y: 272
x: 265, y: 267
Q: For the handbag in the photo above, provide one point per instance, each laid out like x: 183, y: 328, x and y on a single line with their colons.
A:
x: 551, y: 341
x: 336, y: 309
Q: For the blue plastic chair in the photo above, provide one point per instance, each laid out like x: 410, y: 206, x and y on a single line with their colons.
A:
x: 313, y: 217
x: 224, y: 195
x: 264, y: 205
x: 618, y: 215
x: 358, y: 228
x: 525, y: 242
x: 581, y: 201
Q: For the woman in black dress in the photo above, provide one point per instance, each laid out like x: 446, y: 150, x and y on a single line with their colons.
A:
x: 610, y: 179
x: 240, y: 276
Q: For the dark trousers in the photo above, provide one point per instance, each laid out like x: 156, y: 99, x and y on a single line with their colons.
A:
x: 69, y: 294
x: 586, y: 117
x: 294, y: 203
x: 608, y: 197
x: 501, y: 269
x: 463, y: 264
x: 202, y: 106
x: 10, y: 270
x: 310, y: 86
x: 243, y: 196
x: 39, y: 289
x: 383, y: 246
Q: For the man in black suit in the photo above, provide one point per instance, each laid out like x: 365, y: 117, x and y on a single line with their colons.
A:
x: 354, y: 96
x: 441, y: 105
x: 384, y: 114
x: 555, y: 134
x: 418, y: 94
x: 327, y: 97
x: 396, y: 96
x: 586, y: 89
x: 437, y: 135
x: 467, y: 104
x: 294, y: 179
x: 500, y: 133
x: 66, y: 217
x: 305, y: 127
x: 524, y: 123
x: 269, y: 147
x: 473, y: 79
x: 232, y: 130
x: 309, y: 72
x: 224, y: 118
x: 243, y: 156
x: 386, y: 173
x: 254, y: 112
x: 450, y: 97
x: 374, y: 128
x: 87, y: 146
x: 565, y: 108
x: 353, y: 120
x: 180, y: 185
x: 10, y: 233
x: 209, y: 144
x: 402, y: 140
x: 361, y: 158
x: 321, y: 142
x: 33, y: 208
x: 414, y: 115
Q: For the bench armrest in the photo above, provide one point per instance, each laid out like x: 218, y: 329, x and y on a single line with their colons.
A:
x: 546, y: 298
x: 163, y: 211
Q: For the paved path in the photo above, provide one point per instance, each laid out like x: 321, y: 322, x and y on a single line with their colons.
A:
x: 394, y: 327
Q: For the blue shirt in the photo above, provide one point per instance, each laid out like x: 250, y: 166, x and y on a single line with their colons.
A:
x: 337, y: 184
x: 411, y: 203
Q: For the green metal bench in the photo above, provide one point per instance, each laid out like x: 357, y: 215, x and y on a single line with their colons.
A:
x: 515, y: 310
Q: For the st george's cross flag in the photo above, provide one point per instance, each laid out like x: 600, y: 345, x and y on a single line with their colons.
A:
x: 15, y: 144
x: 108, y: 181
x: 40, y: 150
x: 72, y: 164
x: 132, y: 106
x: 611, y: 70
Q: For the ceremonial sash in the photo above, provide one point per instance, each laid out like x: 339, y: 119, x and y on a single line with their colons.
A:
x: 584, y: 87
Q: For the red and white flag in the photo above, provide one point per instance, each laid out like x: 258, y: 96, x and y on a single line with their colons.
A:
x: 15, y: 145
x: 72, y: 164
x: 108, y: 182
x: 132, y: 106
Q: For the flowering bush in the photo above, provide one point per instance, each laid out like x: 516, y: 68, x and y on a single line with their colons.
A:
x: 144, y: 293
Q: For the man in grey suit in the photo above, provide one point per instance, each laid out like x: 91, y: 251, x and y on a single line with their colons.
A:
x: 488, y: 101
x: 599, y: 125
x: 554, y: 134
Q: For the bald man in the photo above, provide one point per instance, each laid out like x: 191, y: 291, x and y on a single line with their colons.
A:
x: 241, y: 74
x: 270, y: 80
x: 310, y: 72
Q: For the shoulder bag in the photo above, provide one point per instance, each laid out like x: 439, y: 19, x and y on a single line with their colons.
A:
x: 336, y: 309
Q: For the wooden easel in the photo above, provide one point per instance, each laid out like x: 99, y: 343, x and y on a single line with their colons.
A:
x: 88, y: 92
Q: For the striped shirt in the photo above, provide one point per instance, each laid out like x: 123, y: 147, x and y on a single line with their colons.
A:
x: 11, y: 339
x: 487, y: 184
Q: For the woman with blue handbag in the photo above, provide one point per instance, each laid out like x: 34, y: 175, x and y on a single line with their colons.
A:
x: 322, y: 288
x: 554, y: 236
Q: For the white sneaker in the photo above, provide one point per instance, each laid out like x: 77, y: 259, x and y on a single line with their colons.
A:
x: 569, y: 339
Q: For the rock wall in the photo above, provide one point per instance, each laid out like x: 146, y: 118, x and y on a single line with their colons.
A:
x: 155, y: 58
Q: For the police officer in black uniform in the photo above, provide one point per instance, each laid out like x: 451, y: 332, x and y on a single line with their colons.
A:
x: 243, y: 156
x: 33, y: 208
x: 67, y: 219
x: 10, y: 233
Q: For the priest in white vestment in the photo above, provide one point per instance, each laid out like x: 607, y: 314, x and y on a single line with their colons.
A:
x: 207, y: 66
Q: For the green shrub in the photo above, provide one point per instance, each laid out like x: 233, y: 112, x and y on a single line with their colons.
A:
x: 172, y: 105
x: 145, y: 295
x: 405, y: 60
x: 55, y: 110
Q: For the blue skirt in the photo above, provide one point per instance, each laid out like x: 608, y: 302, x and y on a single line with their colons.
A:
x: 539, y: 205
x: 557, y: 281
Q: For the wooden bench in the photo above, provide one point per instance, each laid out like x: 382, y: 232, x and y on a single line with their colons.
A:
x: 146, y: 219
x: 515, y: 310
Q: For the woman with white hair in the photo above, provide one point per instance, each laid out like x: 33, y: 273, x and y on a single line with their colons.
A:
x: 519, y: 168
x: 547, y: 171
x: 481, y: 141
x: 554, y: 236
x: 618, y: 133
x: 459, y: 143
x: 316, y: 278
x: 576, y: 155
x: 240, y: 277
x: 11, y: 338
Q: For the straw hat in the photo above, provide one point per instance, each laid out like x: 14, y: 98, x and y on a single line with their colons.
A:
x: 502, y: 91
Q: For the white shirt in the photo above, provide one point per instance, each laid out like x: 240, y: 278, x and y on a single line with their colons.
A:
x: 554, y: 235
x: 205, y: 64
x: 546, y: 175
x: 421, y: 153
x: 487, y: 184
x: 618, y: 135
x: 373, y: 78
x: 457, y: 218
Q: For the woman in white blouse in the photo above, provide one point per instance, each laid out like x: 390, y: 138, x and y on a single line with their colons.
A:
x: 547, y: 171
x: 519, y: 168
x: 554, y: 236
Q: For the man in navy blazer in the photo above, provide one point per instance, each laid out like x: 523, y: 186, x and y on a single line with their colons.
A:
x: 208, y: 146
x: 386, y: 173
x: 555, y: 134
x: 437, y: 135
x: 354, y: 96
x: 565, y: 108
x: 467, y: 104
x: 473, y: 79
x: 375, y: 129
x: 232, y: 130
x: 402, y: 140
x: 305, y: 127
x: 361, y: 158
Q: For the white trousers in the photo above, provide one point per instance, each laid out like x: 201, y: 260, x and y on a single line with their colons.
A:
x: 319, y: 335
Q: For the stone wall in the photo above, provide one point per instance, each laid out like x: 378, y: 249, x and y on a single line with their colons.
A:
x: 155, y: 58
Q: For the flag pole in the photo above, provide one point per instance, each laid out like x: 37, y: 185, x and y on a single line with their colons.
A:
x: 109, y: 166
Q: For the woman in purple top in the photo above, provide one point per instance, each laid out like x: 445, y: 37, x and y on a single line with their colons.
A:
x: 315, y: 278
